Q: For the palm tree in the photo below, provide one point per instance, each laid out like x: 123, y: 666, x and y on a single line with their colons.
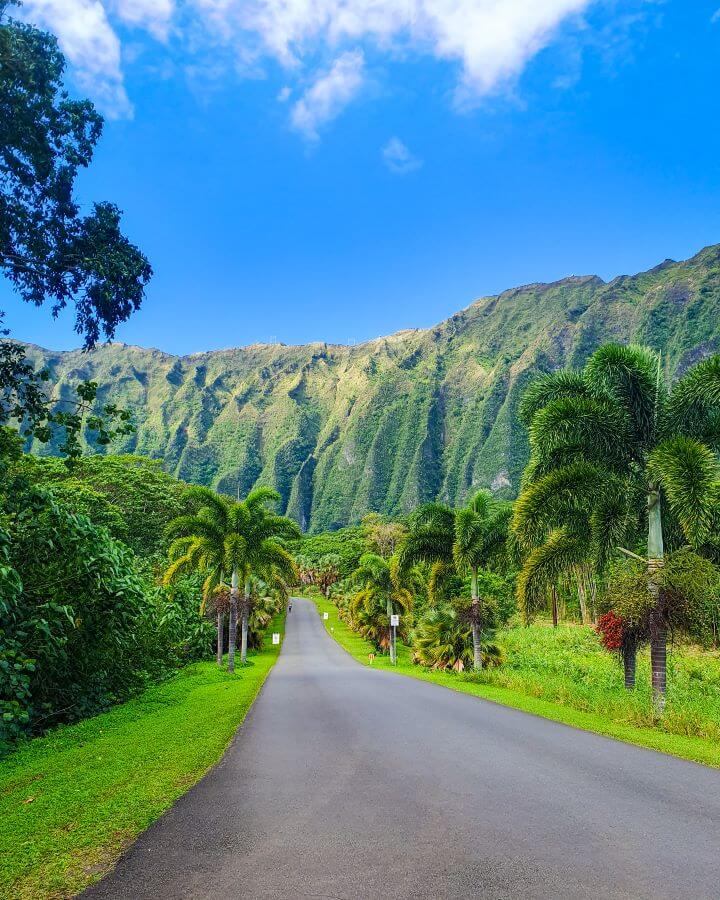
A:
x: 442, y: 640
x: 242, y: 538
x: 381, y: 595
x: 467, y: 539
x: 614, y: 431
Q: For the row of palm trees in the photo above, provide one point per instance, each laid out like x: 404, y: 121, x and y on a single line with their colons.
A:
x: 239, y: 540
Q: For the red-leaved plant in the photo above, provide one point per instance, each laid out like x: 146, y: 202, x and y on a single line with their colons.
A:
x: 610, y: 628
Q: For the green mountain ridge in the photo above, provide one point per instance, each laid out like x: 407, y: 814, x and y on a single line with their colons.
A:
x: 422, y: 414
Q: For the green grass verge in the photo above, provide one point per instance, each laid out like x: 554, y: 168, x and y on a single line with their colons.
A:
x: 697, y: 749
x: 73, y: 800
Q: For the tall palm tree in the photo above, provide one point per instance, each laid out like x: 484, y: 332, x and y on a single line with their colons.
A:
x: 615, y: 429
x: 467, y: 539
x: 381, y: 594
x: 242, y: 538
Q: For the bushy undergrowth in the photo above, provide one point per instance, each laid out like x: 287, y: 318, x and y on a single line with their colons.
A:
x: 568, y: 665
x: 83, y: 622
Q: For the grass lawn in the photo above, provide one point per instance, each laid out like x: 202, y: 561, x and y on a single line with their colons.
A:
x: 563, y: 675
x: 71, y: 801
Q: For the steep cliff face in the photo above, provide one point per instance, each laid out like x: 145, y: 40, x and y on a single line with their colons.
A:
x: 387, y: 424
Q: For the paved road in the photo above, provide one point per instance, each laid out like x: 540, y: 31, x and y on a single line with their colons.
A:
x: 346, y: 782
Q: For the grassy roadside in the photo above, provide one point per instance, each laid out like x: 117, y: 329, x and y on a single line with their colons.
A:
x: 696, y: 749
x: 70, y: 802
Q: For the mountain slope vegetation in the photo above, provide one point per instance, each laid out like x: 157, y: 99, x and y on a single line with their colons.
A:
x: 391, y: 423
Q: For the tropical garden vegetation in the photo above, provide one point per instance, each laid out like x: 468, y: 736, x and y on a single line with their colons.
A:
x: 615, y: 535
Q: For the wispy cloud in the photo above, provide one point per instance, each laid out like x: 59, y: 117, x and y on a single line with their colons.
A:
x: 329, y: 94
x: 398, y: 158
x: 489, y: 42
x: 88, y: 40
x: 715, y: 16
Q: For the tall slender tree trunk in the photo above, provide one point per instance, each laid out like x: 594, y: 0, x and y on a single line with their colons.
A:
x: 391, y: 634
x: 554, y: 607
x: 220, y: 635
x: 658, y: 628
x: 232, y: 629
x: 592, y: 581
x: 475, y: 621
x: 629, y: 657
x: 582, y: 595
x: 244, y: 629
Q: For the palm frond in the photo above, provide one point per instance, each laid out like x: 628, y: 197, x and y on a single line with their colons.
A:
x: 546, y: 388
x: 544, y: 567
x: 693, y: 407
x: 629, y: 374
x: 579, y: 428
x: 688, y: 473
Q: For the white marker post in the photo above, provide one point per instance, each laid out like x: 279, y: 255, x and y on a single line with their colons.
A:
x: 394, y: 622
x: 276, y: 638
x: 326, y: 616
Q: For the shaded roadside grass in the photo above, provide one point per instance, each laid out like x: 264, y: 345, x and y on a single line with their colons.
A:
x: 564, y: 674
x: 71, y: 801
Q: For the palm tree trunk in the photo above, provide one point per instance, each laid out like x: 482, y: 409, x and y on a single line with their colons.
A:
x: 220, y: 635
x: 475, y: 621
x: 554, y: 607
x: 658, y: 629
x: 232, y: 636
x: 629, y: 656
x: 245, y: 616
x: 391, y: 634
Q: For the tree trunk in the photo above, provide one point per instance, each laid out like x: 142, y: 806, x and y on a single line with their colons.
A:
x: 629, y: 656
x: 475, y: 621
x: 658, y: 628
x: 582, y: 596
x: 232, y: 635
x: 593, y: 595
x: 658, y: 659
x: 391, y: 635
x: 554, y: 607
x: 245, y: 617
x: 220, y: 635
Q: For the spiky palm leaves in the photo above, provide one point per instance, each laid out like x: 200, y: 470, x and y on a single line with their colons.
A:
x: 442, y: 640
x: 380, y: 595
x: 600, y: 440
x: 467, y: 539
x: 240, y: 539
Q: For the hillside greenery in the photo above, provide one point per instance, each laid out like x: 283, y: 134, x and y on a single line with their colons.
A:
x: 387, y: 425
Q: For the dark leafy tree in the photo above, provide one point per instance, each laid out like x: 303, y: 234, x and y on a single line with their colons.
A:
x: 49, y: 250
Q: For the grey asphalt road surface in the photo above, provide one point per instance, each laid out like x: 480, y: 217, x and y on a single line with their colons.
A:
x: 348, y: 782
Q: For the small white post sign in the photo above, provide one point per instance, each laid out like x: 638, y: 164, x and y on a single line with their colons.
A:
x: 394, y: 621
x: 326, y: 616
x: 276, y: 638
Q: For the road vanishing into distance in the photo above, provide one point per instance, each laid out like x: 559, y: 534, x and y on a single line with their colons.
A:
x: 347, y: 782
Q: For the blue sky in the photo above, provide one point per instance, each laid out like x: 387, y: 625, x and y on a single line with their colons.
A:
x: 337, y: 170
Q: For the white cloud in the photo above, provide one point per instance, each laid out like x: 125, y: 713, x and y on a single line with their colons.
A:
x: 489, y: 42
x: 153, y: 15
x: 284, y: 94
x: 492, y: 40
x: 398, y: 158
x: 90, y: 43
x: 329, y: 94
